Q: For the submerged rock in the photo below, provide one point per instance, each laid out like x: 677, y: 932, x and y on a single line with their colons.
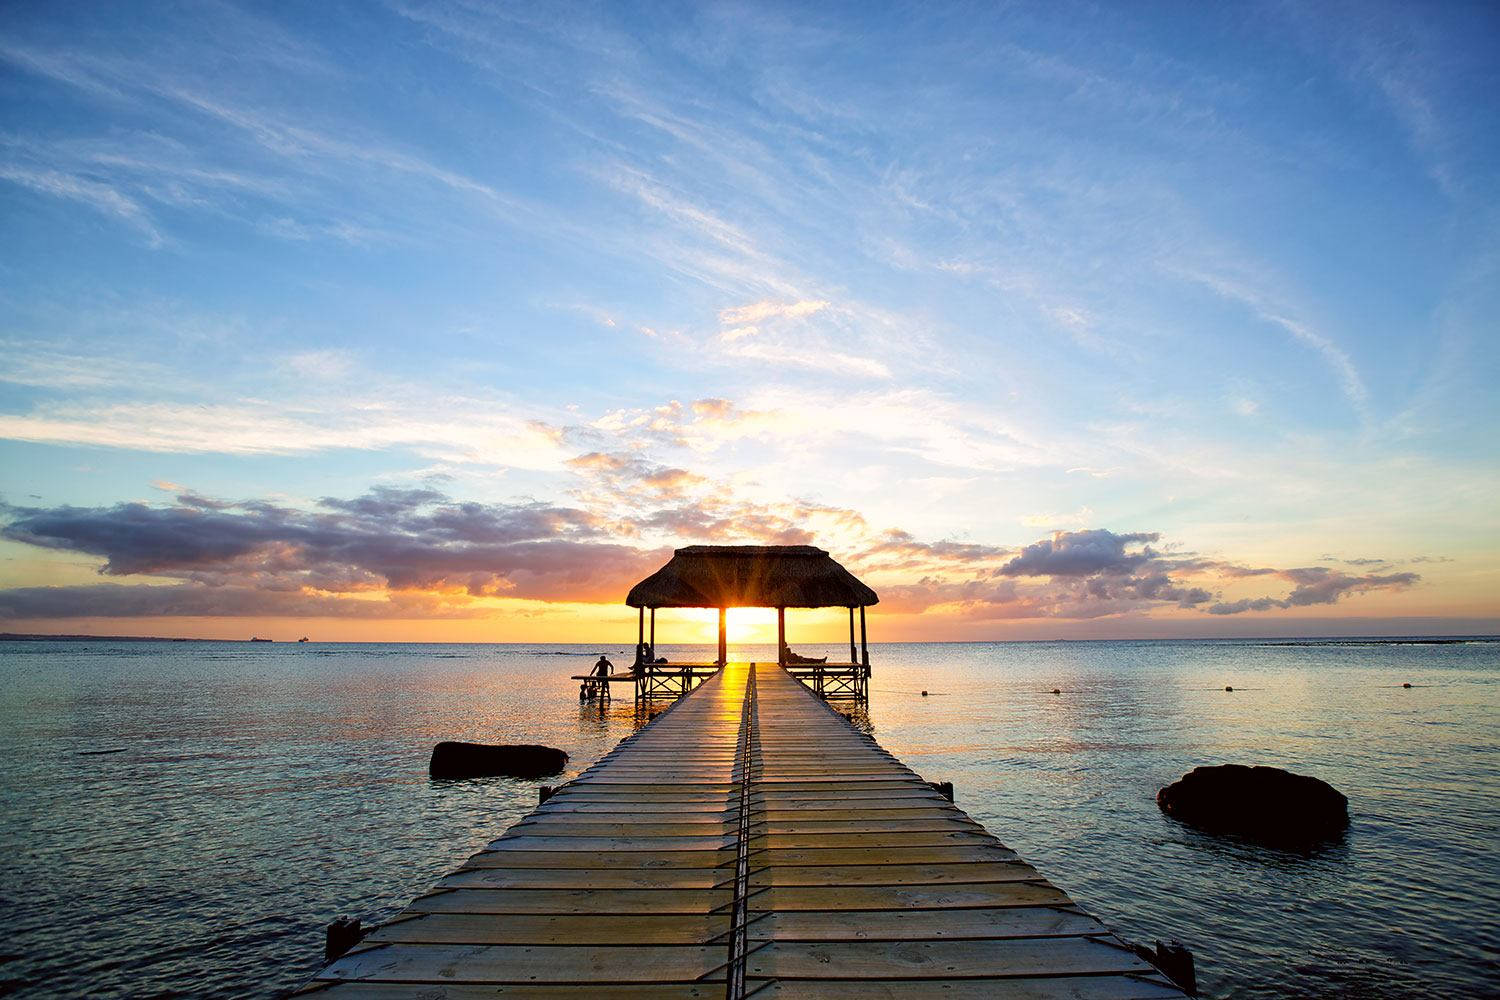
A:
x: 477, y: 760
x: 1265, y: 804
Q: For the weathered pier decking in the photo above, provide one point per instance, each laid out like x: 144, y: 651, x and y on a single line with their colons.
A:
x: 749, y: 841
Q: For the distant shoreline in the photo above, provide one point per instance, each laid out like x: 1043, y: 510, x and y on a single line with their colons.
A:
x: 1333, y: 640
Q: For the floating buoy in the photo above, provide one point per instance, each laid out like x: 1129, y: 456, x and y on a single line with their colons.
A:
x: 1406, y: 685
x: 924, y: 693
x: 1057, y: 690
x: 1228, y: 688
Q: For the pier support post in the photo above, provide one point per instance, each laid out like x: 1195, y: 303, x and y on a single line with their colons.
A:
x: 853, y: 656
x: 1175, y: 962
x: 343, y: 934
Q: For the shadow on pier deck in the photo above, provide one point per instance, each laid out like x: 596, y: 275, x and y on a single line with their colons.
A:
x: 747, y: 842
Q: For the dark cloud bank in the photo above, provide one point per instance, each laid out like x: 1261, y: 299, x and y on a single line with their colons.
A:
x: 416, y: 553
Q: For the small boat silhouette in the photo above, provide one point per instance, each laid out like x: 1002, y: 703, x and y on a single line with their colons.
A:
x: 256, y: 638
x: 303, y: 639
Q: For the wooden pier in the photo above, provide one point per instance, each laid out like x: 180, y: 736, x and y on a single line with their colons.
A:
x: 747, y: 842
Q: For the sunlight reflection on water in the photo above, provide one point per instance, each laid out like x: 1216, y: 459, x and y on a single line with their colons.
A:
x: 264, y: 790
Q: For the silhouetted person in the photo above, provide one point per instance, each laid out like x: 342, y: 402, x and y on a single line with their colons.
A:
x: 603, y: 667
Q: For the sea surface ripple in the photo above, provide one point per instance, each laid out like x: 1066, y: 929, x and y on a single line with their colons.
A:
x: 255, y: 792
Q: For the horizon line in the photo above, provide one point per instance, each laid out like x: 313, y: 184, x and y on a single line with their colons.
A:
x: 1455, y: 637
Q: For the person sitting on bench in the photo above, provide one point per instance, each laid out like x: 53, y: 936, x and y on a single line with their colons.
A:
x: 792, y: 657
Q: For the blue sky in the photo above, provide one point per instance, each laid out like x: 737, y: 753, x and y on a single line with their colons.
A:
x: 1215, y: 287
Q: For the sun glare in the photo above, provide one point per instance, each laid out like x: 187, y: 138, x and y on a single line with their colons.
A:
x: 748, y: 626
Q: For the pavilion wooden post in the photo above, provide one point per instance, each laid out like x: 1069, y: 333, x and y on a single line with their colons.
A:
x: 723, y: 636
x: 640, y: 633
x: 653, y: 632
x: 864, y: 648
x: 781, y: 636
x: 853, y: 657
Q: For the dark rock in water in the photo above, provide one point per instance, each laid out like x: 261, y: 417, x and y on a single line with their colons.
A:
x: 1407, y: 685
x: 1265, y: 804
x: 478, y: 760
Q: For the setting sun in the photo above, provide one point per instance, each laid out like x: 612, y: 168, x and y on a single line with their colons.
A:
x: 750, y: 626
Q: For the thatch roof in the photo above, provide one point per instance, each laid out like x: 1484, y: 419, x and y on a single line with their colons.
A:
x: 751, y: 576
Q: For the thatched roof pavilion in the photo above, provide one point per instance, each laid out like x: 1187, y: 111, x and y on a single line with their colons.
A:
x: 757, y: 576
x: 751, y: 576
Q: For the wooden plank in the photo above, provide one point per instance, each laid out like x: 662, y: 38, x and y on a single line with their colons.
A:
x: 529, y: 842
x: 632, y: 832
x: 878, y: 874
x: 441, y: 963
x: 941, y: 959
x: 634, y: 777
x: 870, y: 840
x: 552, y: 929
x: 867, y: 812
x: 1070, y: 988
x: 584, y: 878
x: 868, y: 897
x: 932, y: 823
x: 875, y: 782
x: 633, y: 810
x: 598, y: 901
x: 601, y: 861
x: 612, y: 795
x: 906, y: 794
x: 896, y: 855
x: 924, y: 925
x: 533, y: 991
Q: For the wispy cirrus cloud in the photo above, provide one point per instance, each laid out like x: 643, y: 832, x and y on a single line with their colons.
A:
x: 1078, y: 519
x: 757, y: 312
x: 1335, y: 357
x: 95, y: 194
x: 250, y: 427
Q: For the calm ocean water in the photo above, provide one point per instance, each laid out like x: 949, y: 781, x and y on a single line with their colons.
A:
x: 262, y: 790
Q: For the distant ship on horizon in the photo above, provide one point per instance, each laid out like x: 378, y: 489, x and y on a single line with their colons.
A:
x: 256, y: 638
